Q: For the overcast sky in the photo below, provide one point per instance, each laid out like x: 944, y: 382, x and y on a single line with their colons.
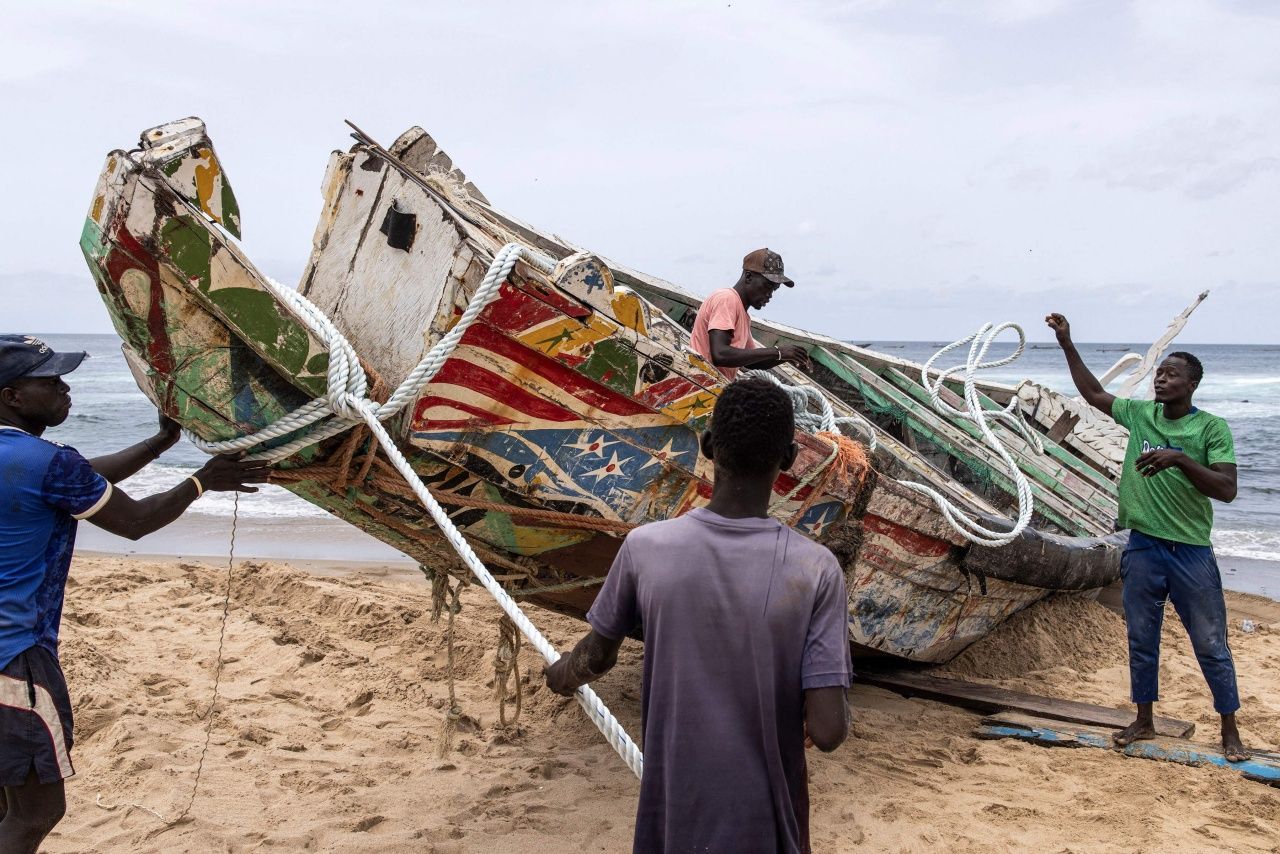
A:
x: 921, y: 166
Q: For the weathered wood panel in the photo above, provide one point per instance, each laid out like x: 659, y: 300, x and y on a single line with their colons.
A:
x: 991, y: 698
x: 571, y: 393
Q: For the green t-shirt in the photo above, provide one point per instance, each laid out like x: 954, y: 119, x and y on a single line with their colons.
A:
x: 1167, y: 505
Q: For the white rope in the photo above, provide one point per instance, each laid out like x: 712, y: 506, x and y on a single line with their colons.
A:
x: 591, y: 703
x: 814, y: 414
x: 805, y: 399
x: 347, y: 382
x: 345, y: 405
x: 974, y: 411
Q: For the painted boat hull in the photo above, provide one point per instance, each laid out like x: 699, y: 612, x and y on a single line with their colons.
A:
x: 572, y: 393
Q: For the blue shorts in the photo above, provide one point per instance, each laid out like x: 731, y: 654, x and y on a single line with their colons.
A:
x: 35, y: 719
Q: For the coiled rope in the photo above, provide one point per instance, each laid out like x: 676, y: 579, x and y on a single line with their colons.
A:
x: 814, y: 414
x: 974, y: 411
x: 346, y: 404
x: 806, y: 398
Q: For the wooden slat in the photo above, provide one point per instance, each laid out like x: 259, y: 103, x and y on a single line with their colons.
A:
x: 1055, y: 449
x: 1062, y: 427
x: 989, y: 698
x: 912, y: 461
x: 959, y: 443
x: 1084, y: 476
x: 1261, y: 766
x: 1046, y: 469
x: 1104, y: 465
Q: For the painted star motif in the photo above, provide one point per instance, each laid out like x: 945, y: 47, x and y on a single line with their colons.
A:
x: 692, y: 406
x: 591, y: 446
x: 609, y: 469
x: 668, y: 452
x: 820, y: 524
x: 562, y: 337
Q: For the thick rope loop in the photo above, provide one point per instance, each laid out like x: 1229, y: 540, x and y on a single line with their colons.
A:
x: 807, y: 399
x: 346, y: 404
x: 804, y: 399
x: 979, y: 343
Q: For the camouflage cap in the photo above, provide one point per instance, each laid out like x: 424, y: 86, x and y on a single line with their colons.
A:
x: 767, y: 264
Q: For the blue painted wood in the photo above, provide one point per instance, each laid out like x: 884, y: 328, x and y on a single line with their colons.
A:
x: 1263, y: 767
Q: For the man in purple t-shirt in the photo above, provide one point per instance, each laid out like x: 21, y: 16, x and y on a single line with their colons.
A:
x: 746, y: 648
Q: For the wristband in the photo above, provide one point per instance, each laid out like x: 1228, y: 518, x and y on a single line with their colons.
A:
x: 199, y: 485
x: 779, y: 350
x: 155, y: 455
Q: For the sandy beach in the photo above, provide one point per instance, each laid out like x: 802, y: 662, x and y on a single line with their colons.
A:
x: 334, y: 691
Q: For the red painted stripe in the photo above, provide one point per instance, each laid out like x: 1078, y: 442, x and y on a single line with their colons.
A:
x: 481, y: 417
x: 668, y: 391
x: 129, y: 254
x: 479, y: 381
x: 485, y: 337
x: 912, y: 541
x: 522, y: 295
x: 516, y: 311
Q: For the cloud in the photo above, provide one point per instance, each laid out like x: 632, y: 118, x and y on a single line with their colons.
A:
x: 915, y: 163
x: 1005, y: 12
x: 1231, y: 176
x: 1201, y: 157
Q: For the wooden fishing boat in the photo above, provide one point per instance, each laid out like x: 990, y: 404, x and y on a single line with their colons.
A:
x: 570, y: 411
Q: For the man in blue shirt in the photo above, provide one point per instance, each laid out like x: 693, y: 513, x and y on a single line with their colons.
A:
x: 45, y: 488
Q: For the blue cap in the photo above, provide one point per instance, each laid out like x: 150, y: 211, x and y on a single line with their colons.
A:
x: 28, y: 356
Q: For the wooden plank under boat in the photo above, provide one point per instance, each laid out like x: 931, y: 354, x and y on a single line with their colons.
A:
x: 994, y: 699
x: 571, y: 409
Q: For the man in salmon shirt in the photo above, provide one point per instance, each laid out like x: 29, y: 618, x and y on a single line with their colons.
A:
x: 722, y: 330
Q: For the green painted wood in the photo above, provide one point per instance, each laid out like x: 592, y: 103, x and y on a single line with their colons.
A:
x: 903, y: 454
x: 952, y: 440
x: 1077, y: 464
x: 1044, y: 470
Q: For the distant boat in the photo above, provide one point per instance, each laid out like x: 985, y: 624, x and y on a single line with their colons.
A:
x: 571, y: 410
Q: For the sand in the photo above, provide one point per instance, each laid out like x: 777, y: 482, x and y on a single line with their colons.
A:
x: 334, y: 694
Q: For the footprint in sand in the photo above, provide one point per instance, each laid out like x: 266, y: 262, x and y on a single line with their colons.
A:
x: 551, y: 769
x: 367, y: 823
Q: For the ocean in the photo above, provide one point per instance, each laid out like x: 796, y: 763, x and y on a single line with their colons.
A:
x: 1241, y: 384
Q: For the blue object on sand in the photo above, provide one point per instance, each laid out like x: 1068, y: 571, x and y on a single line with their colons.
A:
x: 1263, y: 767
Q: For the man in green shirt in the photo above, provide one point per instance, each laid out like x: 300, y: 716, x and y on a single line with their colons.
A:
x: 1178, y: 458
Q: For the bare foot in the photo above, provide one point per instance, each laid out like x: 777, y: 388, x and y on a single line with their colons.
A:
x: 1136, y: 731
x: 1232, y: 747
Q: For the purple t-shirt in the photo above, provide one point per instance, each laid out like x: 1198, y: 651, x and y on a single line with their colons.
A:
x: 740, y: 617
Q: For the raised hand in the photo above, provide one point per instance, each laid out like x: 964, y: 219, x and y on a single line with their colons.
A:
x: 1061, y: 328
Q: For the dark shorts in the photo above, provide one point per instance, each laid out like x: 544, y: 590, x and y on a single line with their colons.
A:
x: 35, y: 719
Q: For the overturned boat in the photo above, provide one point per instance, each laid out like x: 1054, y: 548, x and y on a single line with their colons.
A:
x: 569, y: 408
